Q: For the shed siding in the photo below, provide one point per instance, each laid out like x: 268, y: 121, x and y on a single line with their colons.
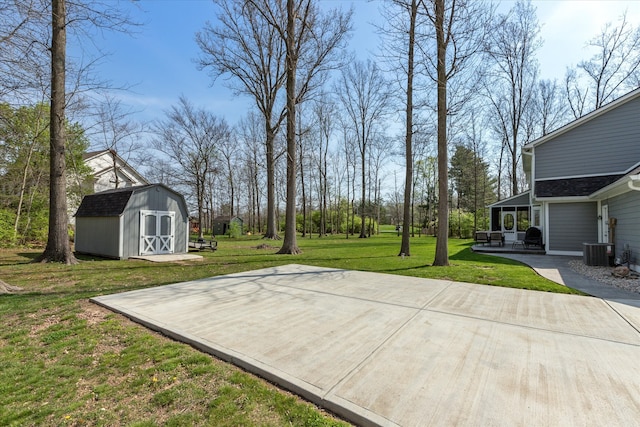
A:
x: 131, y: 229
x: 626, y: 209
x: 155, y: 199
x: 607, y: 144
x: 98, y: 236
x: 571, y: 225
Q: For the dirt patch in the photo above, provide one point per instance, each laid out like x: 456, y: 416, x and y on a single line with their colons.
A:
x: 6, y: 288
x: 44, y: 321
x: 93, y: 313
x: 265, y: 246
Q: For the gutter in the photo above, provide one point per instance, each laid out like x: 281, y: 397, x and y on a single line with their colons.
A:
x: 634, y: 182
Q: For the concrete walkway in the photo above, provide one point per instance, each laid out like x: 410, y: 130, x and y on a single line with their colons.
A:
x: 399, y: 351
x: 556, y: 268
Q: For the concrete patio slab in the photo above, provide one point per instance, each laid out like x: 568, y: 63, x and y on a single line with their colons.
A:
x: 399, y: 351
x: 169, y: 257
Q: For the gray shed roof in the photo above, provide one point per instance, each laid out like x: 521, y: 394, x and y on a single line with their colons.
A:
x: 108, y: 203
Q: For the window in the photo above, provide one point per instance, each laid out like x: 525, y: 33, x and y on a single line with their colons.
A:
x: 536, y: 220
x: 523, y: 218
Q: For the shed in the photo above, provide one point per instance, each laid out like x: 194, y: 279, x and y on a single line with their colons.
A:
x: 125, y: 222
x: 221, y: 224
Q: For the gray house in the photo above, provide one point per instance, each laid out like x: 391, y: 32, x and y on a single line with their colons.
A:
x: 125, y: 222
x: 585, y: 180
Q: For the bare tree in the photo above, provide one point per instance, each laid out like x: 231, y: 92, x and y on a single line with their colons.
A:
x: 350, y: 169
x: 33, y: 61
x: 252, y: 137
x: 403, y: 19
x: 189, y: 138
x: 117, y: 132
x: 612, y: 70
x: 550, y: 106
x: 324, y: 111
x: 511, y: 82
x: 227, y: 148
x: 459, y: 29
x: 365, y: 97
x: 58, y: 248
x: 23, y: 60
x: 246, y: 47
x: 312, y: 44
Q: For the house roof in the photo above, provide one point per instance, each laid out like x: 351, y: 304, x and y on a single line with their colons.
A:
x: 574, y: 187
x: 126, y: 170
x: 625, y: 183
x: 521, y: 199
x: 587, y: 117
x: 112, y: 202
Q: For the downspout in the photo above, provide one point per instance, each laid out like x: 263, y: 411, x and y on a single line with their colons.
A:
x: 634, y: 183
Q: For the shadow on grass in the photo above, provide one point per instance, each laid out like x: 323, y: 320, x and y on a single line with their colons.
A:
x: 468, y: 255
x: 416, y: 267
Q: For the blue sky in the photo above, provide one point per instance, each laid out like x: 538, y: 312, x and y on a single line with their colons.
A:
x: 158, y: 61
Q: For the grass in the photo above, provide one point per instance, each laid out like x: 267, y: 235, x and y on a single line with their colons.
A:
x: 66, y: 361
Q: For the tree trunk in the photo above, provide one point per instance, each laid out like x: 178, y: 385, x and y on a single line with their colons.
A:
x: 272, y: 231
x: 23, y: 188
x: 364, y: 189
x: 442, y: 244
x: 405, y: 245
x: 290, y: 244
x: 304, y: 192
x: 58, y: 248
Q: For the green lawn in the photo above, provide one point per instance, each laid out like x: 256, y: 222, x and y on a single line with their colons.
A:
x: 66, y: 361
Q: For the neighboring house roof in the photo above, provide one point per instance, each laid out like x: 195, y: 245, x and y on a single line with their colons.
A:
x: 574, y: 187
x: 125, y: 169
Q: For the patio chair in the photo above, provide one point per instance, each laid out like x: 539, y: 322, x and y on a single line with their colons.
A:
x: 482, y: 237
x: 497, y: 237
x: 533, y: 237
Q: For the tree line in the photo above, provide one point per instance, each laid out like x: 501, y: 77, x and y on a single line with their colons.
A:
x: 452, y: 96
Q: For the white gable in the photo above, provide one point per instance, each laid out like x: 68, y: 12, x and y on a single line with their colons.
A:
x: 111, y: 171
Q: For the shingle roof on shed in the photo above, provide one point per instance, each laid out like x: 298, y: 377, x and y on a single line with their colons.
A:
x: 105, y: 203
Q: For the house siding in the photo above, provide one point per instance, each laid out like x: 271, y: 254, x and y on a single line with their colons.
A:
x: 589, y: 148
x: 571, y: 225
x: 625, y: 209
x: 98, y: 236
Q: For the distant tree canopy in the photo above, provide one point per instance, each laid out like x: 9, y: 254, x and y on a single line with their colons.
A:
x: 24, y: 171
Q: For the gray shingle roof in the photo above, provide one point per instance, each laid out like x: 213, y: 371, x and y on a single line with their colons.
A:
x: 105, y: 203
x: 573, y: 187
x: 108, y: 203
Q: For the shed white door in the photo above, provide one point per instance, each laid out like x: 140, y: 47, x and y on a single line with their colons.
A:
x: 157, y: 232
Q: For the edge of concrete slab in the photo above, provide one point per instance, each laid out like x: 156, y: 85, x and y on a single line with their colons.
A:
x: 169, y: 257
x: 336, y: 405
